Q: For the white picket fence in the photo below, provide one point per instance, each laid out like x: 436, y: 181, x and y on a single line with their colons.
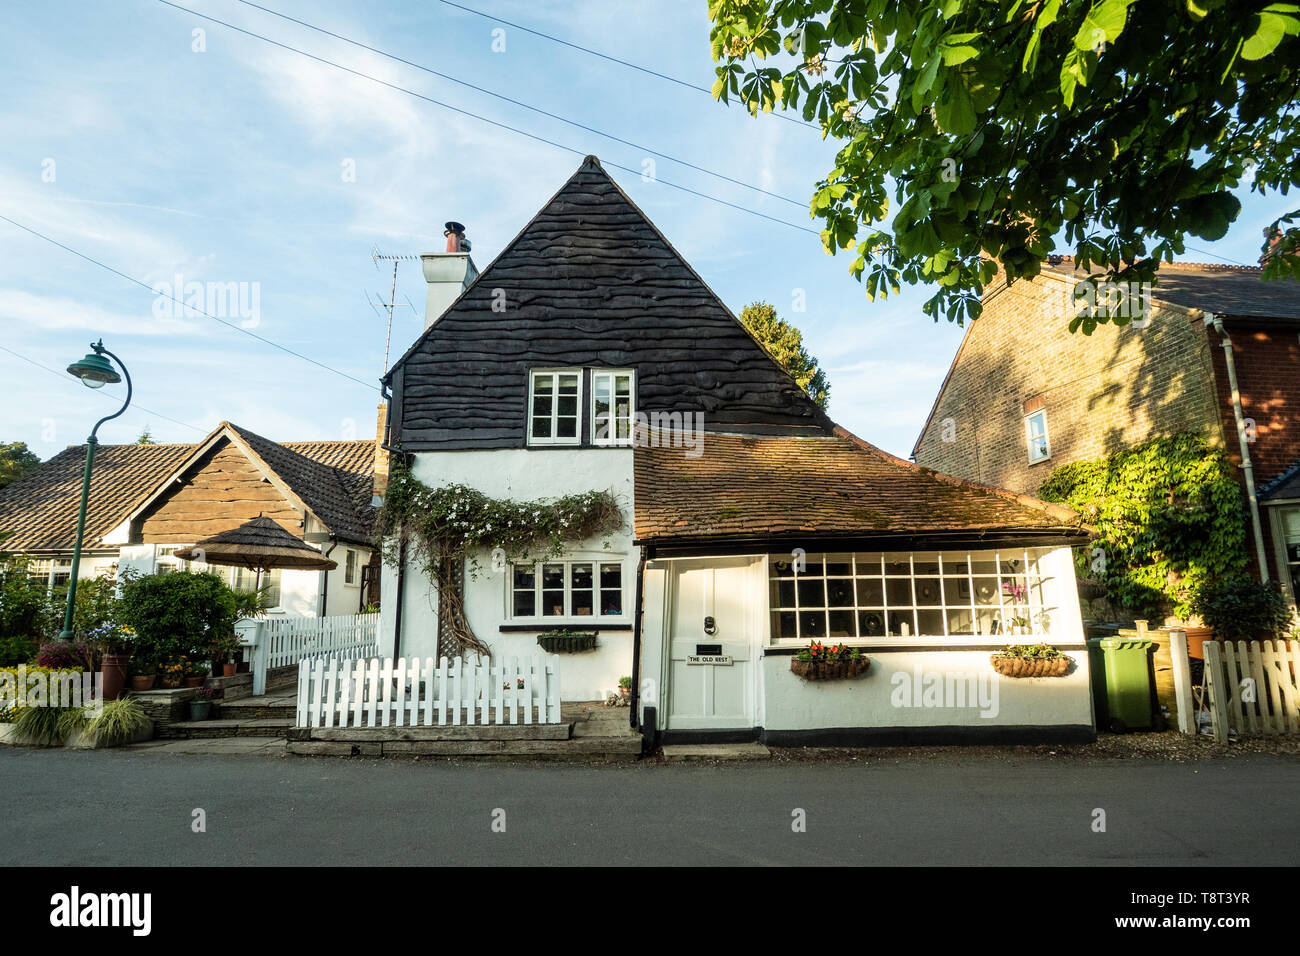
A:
x: 413, y: 692
x: 285, y: 641
x: 1253, y: 687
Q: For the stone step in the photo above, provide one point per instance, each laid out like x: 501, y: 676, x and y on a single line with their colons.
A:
x: 574, y: 748
x: 240, y: 727
x: 257, y: 708
x: 684, y: 752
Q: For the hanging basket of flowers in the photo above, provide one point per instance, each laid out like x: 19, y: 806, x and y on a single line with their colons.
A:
x: 829, y: 662
x: 1031, y: 660
x: 567, y: 642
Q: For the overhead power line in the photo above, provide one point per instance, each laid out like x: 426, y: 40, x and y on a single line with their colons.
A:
x: 536, y: 109
x: 231, y: 325
x: 136, y: 406
x: 505, y: 126
x: 612, y: 59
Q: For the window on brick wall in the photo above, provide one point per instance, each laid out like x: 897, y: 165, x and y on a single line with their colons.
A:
x: 1040, y: 446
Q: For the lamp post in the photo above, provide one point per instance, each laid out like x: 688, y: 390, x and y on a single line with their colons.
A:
x: 95, y: 371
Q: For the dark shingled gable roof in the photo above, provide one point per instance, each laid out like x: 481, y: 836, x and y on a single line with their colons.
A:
x: 333, y: 478
x: 745, y: 487
x: 1221, y: 289
x: 589, y: 281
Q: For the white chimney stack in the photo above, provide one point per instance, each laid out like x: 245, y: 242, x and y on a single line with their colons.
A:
x: 448, y: 273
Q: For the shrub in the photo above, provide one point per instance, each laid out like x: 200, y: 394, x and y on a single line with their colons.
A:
x: 178, y: 614
x: 69, y: 655
x: 26, y: 609
x: 94, y: 605
x: 1244, y: 609
x: 1169, y: 516
x: 16, y: 649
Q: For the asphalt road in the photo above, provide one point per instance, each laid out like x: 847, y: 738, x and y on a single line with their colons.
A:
x: 135, y: 808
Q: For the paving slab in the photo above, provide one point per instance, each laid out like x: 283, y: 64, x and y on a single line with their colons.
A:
x: 752, y: 751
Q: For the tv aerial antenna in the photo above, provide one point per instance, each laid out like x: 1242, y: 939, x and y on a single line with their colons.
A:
x: 377, y: 257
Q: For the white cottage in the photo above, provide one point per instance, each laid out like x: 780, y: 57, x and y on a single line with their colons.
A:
x: 589, y: 356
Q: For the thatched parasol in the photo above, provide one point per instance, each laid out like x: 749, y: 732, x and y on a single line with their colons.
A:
x: 259, y: 545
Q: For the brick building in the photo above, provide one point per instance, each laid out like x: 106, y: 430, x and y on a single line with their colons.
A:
x: 1025, y: 396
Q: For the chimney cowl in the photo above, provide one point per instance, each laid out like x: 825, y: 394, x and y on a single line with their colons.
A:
x: 456, y: 241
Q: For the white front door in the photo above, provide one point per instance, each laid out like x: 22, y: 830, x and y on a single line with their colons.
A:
x: 710, y: 638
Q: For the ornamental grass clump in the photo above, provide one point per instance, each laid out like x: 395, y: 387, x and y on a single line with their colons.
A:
x: 118, y: 722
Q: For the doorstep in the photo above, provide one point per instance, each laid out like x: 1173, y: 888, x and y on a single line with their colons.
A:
x: 684, y: 752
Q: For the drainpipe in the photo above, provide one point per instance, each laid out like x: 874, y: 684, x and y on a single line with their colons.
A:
x: 1246, y: 466
x: 325, y: 579
x: 636, y: 645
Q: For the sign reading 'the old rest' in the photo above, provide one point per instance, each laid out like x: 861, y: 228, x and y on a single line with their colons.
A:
x: 708, y: 659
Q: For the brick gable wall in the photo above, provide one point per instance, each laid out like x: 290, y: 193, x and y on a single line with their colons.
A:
x: 1102, y: 393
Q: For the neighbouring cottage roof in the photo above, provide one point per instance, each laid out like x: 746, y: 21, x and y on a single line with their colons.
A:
x: 1284, y: 487
x: 763, y: 487
x: 1222, y: 289
x: 333, y: 478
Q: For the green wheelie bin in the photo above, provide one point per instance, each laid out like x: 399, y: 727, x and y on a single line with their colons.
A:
x: 1130, y: 699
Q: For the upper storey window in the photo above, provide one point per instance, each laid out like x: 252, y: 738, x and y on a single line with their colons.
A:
x: 554, y: 398
x: 611, y: 407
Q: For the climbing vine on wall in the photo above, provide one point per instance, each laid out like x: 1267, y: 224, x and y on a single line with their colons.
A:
x: 446, y: 528
x: 1170, y: 516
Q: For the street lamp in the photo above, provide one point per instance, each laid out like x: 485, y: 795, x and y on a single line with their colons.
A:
x: 95, y: 371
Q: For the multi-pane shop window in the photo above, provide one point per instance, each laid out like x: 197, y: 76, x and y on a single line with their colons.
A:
x: 566, y: 589
x: 903, y: 595
x: 54, y: 573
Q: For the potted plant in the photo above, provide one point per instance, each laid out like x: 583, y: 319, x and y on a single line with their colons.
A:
x: 564, y: 641
x: 1031, y: 660
x: 201, y: 703
x: 820, y: 661
x: 223, y: 654
x: 143, y: 673
x: 115, y: 642
x: 195, y: 672
x: 625, y: 687
x: 172, y: 674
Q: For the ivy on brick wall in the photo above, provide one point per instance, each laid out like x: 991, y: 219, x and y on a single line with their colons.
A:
x: 1170, y: 518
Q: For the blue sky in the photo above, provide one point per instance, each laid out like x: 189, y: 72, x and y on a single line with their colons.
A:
x: 228, y: 165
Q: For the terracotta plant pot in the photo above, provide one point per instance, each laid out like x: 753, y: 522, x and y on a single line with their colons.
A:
x: 170, y: 683
x: 114, y: 670
x: 143, y: 681
x: 229, y: 669
x: 194, y: 681
x: 625, y: 692
x: 1027, y: 667
x: 829, y: 670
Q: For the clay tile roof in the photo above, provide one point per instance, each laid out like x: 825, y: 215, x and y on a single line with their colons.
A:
x: 835, y: 486
x: 332, y: 493
x: 39, y: 511
x: 1222, y: 289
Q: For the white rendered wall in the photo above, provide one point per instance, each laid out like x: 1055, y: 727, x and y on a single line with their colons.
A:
x: 525, y: 475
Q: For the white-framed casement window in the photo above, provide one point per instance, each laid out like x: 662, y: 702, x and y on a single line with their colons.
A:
x: 54, y: 573
x: 613, y: 401
x: 1040, y: 446
x: 350, y: 567
x: 958, y: 595
x: 563, y: 589
x: 554, y: 399
x: 242, y: 579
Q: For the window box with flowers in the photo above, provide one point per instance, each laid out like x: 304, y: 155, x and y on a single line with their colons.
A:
x: 829, y: 662
x: 1031, y: 660
x: 567, y: 642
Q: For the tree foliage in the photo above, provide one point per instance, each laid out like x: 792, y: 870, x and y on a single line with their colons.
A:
x: 182, y: 613
x: 1004, y: 126
x: 1170, y: 518
x: 16, y: 460
x: 785, y: 342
